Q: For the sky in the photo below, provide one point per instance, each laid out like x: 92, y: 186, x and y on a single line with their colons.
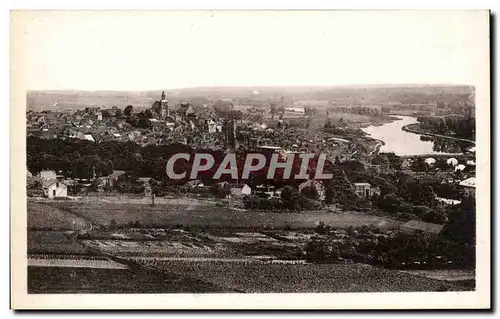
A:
x: 145, y: 50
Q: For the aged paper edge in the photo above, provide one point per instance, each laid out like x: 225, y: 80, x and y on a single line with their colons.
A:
x: 478, y: 299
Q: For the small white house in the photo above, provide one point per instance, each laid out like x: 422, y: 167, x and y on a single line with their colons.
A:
x: 212, y: 126
x: 362, y: 189
x: 54, y: 188
x: 430, y: 161
x: 452, y: 161
x: 469, y: 186
x: 240, y: 190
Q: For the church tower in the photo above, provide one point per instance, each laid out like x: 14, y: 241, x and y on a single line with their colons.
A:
x: 163, y: 106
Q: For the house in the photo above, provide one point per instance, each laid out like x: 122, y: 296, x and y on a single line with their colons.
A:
x: 362, y: 189
x: 406, y: 163
x: 375, y: 191
x: 297, y: 110
x: 452, y: 161
x: 265, y: 190
x: 212, y: 126
x: 147, y: 182
x: 111, y: 179
x: 89, y: 137
x: 416, y: 226
x: 239, y: 190
x: 148, y: 190
x: 317, y: 185
x: 448, y: 201
x: 430, y: 161
x: 195, y: 183
x: 469, y: 186
x: 47, y: 175
x: 54, y: 188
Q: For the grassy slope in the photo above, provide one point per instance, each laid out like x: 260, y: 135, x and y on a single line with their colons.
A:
x: 212, y: 216
x: 42, y: 216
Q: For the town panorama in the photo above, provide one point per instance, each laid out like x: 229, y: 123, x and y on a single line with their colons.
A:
x: 396, y: 211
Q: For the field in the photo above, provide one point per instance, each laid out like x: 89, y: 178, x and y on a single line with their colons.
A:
x: 42, y: 216
x: 91, y: 280
x: 284, y: 278
x: 54, y: 242
x: 210, y: 216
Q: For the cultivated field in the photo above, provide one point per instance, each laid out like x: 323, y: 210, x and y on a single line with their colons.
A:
x: 284, y: 278
x: 54, y: 242
x: 92, y: 280
x: 211, y: 216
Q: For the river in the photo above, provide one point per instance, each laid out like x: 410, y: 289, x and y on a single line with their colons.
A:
x: 400, y: 142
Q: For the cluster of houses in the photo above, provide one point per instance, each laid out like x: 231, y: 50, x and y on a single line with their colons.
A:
x: 48, y: 184
x: 201, y: 126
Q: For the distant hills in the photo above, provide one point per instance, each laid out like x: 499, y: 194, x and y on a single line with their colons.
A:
x: 369, y: 94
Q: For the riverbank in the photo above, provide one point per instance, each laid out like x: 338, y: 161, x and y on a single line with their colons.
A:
x: 379, y: 121
x: 411, y: 128
x: 403, y: 139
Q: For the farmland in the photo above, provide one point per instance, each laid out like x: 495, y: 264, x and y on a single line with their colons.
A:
x: 54, y: 242
x: 215, y: 250
x: 211, y: 216
x: 92, y: 280
x: 283, y: 278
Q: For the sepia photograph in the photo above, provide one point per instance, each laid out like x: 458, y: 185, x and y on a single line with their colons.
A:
x: 262, y: 154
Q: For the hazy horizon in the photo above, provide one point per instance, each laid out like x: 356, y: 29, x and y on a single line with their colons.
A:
x: 344, y: 86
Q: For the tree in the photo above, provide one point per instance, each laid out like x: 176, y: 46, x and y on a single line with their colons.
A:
x: 322, y: 251
x: 273, y: 110
x: 328, y: 123
x: 420, y: 211
x: 322, y: 228
x: 419, y: 165
x: 105, y: 113
x: 339, y: 189
x: 310, y: 192
x: 128, y: 110
x: 290, y: 197
x: 460, y: 232
x: 148, y: 114
x: 427, y: 196
x: 137, y: 224
x: 118, y: 113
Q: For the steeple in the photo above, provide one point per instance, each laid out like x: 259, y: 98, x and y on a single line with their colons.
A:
x: 163, y: 106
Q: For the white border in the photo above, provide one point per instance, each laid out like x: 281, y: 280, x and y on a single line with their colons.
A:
x: 373, y: 301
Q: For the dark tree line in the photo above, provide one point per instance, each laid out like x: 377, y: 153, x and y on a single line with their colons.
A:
x: 457, y: 126
x: 80, y: 159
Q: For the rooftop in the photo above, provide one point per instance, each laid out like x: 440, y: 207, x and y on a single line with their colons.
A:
x: 116, y: 174
x: 362, y: 184
x: 270, y: 147
x: 49, y: 182
x: 469, y: 182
